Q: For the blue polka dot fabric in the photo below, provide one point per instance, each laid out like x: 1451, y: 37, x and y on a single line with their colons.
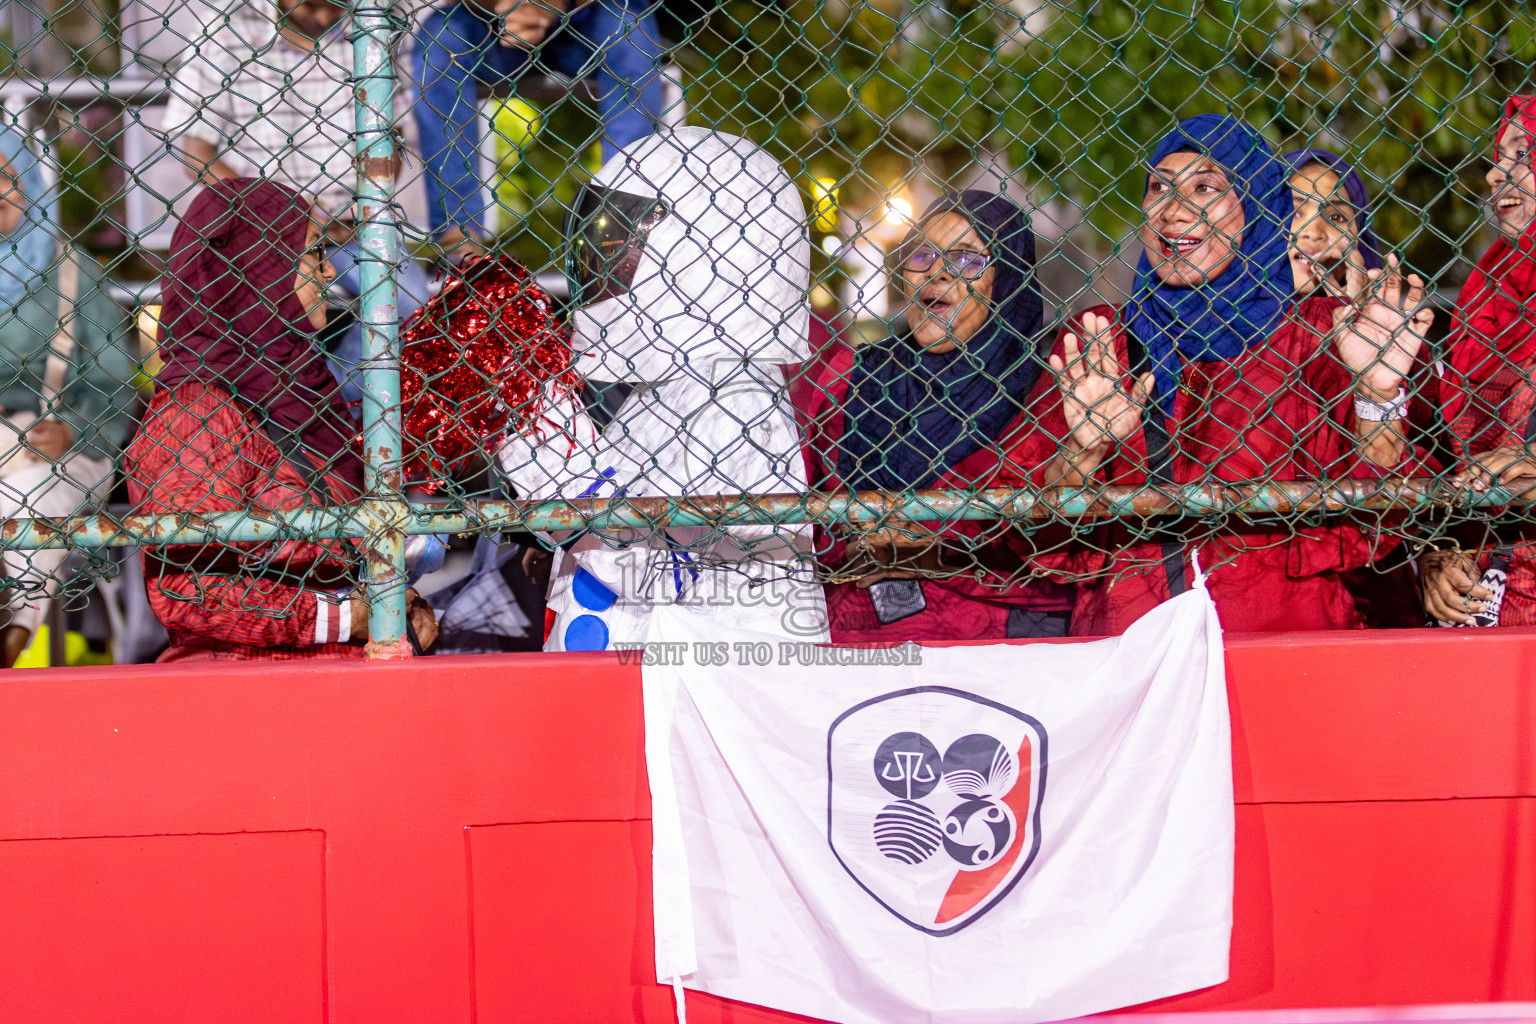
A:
x: 590, y: 593
x: 586, y: 633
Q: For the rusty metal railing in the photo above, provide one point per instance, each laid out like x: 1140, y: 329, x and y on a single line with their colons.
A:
x: 1027, y: 508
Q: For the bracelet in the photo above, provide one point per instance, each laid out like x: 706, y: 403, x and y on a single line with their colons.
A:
x: 1378, y: 412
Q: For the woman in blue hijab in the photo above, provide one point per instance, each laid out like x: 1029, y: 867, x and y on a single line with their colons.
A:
x: 66, y: 378
x: 937, y: 405
x: 1214, y: 372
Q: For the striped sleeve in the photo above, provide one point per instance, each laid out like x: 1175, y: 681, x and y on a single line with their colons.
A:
x: 333, y: 620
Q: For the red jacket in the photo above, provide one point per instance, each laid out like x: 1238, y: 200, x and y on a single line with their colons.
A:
x: 200, y: 451
x: 1497, y: 417
x: 1280, y: 411
x: 960, y: 607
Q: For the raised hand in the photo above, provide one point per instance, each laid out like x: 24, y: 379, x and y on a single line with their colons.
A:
x: 1100, y: 411
x: 1379, y: 333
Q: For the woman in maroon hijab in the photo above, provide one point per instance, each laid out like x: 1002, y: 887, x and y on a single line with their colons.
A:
x: 246, y: 416
x: 1487, y: 391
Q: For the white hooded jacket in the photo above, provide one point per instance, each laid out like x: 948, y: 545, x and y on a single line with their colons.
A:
x: 717, y: 303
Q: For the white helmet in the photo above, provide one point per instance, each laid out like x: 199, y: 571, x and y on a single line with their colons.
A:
x: 689, y: 247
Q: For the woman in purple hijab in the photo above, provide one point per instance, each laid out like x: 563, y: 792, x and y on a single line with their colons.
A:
x: 1331, y: 227
x: 1330, y: 231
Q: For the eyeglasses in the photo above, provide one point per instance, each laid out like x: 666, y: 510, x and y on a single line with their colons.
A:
x: 967, y: 264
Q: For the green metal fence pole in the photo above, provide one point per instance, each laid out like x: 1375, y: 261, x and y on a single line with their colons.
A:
x: 374, y: 69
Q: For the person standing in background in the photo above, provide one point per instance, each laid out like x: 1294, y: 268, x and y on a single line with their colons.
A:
x: 465, y: 42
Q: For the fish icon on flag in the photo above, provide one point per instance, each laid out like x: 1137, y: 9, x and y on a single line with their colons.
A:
x: 934, y: 802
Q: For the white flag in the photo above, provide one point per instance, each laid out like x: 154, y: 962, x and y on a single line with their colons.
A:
x: 967, y: 834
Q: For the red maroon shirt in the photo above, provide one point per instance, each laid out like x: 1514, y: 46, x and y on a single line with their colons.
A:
x: 1282, y: 410
x: 200, y: 451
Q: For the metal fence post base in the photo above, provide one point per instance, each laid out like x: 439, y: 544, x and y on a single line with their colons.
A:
x: 384, y: 577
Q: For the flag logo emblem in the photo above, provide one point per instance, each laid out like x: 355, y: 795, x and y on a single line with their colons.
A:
x: 934, y: 802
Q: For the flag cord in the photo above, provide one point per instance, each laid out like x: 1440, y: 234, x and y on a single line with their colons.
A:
x: 677, y: 994
x: 1200, y: 577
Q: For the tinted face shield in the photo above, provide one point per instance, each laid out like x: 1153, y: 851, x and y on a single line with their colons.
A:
x: 606, y: 232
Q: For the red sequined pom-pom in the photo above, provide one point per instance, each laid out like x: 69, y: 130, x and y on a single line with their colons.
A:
x: 476, y: 361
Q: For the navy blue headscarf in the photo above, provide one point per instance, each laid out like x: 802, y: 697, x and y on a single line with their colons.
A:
x: 1246, y: 302
x: 911, y: 414
x: 1354, y: 190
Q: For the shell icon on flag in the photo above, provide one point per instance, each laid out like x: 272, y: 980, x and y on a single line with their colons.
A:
x: 933, y: 802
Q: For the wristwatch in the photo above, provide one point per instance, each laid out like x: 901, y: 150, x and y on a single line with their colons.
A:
x: 1378, y: 412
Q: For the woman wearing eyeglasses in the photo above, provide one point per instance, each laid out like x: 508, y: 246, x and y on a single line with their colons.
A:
x: 1214, y: 373
x: 935, y: 407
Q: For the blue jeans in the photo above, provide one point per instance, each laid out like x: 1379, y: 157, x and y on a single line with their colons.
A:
x: 411, y: 295
x: 456, y: 47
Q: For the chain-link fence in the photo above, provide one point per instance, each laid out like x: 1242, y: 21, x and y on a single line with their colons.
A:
x: 864, y: 321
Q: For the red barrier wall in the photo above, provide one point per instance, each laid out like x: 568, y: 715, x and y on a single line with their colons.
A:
x: 466, y: 839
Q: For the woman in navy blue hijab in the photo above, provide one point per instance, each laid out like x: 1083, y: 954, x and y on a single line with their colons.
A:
x: 958, y: 372
x: 935, y: 405
x: 1215, y: 373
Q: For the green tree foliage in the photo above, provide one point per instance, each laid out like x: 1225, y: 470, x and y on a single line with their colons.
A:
x: 857, y: 92
x: 1075, y: 93
x: 1409, y: 90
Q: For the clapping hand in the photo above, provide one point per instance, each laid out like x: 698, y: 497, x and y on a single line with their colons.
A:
x: 1098, y: 407
x: 1379, y: 333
